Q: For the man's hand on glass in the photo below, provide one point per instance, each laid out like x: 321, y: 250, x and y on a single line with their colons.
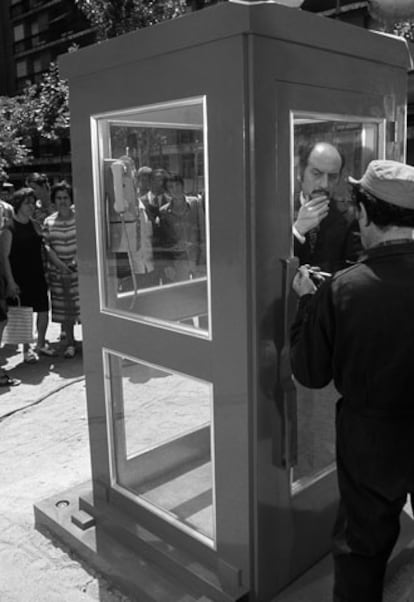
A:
x: 311, y: 213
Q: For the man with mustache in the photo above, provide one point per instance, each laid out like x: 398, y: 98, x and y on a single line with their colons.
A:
x: 324, y: 235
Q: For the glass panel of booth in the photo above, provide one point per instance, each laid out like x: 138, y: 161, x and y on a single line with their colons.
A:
x: 325, y: 150
x: 151, y: 186
x: 161, y: 442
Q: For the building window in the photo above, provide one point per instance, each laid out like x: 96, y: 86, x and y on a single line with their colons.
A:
x: 187, y: 165
x: 34, y: 28
x: 37, y: 65
x: 21, y: 68
x: 18, y: 32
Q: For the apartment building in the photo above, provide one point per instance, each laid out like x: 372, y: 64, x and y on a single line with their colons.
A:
x: 33, y: 33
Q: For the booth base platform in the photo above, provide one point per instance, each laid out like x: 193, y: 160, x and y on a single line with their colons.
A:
x: 137, y: 562
x: 134, y: 566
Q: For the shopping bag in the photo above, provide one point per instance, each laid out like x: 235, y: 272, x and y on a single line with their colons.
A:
x: 19, y: 326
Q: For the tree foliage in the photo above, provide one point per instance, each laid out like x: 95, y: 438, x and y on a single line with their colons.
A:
x: 112, y: 18
x: 393, y: 16
x: 13, y: 146
x: 405, y: 29
x: 40, y: 110
x: 50, y: 102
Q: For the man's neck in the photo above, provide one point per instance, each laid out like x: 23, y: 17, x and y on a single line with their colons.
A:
x: 390, y: 235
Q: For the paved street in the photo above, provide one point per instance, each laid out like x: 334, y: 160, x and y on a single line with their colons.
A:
x: 43, y: 450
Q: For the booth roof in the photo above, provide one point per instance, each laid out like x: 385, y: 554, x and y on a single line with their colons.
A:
x: 229, y: 19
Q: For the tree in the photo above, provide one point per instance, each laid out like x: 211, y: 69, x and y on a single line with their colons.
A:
x: 394, y: 16
x: 112, y: 18
x: 41, y: 110
x: 405, y: 29
x: 50, y: 104
x: 14, y: 118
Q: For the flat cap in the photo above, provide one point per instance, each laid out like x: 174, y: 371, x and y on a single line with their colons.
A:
x: 390, y: 181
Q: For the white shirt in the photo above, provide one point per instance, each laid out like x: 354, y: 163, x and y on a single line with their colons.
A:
x: 295, y: 233
x: 143, y: 259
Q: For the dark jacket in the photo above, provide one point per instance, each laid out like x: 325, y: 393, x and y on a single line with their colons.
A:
x: 338, y: 242
x: 358, y: 329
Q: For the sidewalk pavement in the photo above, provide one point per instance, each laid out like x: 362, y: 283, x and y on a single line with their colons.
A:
x: 44, y: 449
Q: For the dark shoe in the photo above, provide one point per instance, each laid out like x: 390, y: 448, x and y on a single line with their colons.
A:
x: 30, y: 357
x: 7, y: 381
x: 46, y: 350
x: 69, y: 352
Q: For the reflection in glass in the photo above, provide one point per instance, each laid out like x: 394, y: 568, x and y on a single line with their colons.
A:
x: 326, y: 150
x: 162, y: 450
x: 152, y: 212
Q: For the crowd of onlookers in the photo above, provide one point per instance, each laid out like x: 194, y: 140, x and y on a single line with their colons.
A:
x: 38, y: 266
x: 157, y: 231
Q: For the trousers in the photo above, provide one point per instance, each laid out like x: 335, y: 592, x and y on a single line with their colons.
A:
x: 375, y: 475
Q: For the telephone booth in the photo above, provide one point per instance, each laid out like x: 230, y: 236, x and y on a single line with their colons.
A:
x: 208, y: 460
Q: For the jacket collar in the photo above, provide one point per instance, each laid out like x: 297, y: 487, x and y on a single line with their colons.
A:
x: 401, y: 246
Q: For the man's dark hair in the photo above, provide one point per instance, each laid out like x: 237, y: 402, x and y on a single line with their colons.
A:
x: 37, y: 178
x: 305, y: 150
x: 144, y: 171
x: 381, y: 213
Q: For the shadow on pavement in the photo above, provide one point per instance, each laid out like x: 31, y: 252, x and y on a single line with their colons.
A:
x: 38, y: 380
x: 34, y: 374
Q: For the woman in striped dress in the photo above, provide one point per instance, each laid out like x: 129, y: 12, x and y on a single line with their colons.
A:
x: 60, y: 238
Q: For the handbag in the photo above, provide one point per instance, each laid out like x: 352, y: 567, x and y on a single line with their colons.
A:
x: 19, y: 326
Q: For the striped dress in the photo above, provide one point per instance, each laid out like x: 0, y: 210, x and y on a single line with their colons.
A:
x: 60, y: 234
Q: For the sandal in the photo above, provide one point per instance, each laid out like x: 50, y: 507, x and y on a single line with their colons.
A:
x: 8, y: 381
x: 69, y: 352
x: 46, y: 350
x: 30, y: 357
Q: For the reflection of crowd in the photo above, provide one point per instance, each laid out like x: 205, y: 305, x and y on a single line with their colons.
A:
x: 181, y: 233
x: 170, y: 238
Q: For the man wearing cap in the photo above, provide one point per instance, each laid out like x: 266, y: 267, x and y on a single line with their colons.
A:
x: 357, y: 329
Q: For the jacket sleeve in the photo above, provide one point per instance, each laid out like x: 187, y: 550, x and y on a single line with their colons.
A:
x: 311, y: 339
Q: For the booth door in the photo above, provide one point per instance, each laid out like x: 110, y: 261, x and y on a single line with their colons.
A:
x: 355, y: 124
x: 168, y: 406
